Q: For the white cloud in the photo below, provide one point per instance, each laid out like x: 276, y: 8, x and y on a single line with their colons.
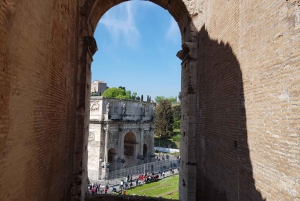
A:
x: 173, y: 33
x: 120, y: 23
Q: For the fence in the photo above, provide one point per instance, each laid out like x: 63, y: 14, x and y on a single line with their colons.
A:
x: 162, y: 165
x: 157, y: 166
x: 166, y: 150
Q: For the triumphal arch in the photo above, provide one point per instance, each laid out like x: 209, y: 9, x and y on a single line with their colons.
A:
x: 121, y: 134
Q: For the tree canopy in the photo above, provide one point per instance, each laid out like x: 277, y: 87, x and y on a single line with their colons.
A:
x: 116, y: 93
x: 171, y: 99
x: 179, y: 96
x: 176, y: 110
x: 164, y: 119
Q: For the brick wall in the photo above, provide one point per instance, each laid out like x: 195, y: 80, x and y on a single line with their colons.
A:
x: 248, y: 110
x: 36, y: 99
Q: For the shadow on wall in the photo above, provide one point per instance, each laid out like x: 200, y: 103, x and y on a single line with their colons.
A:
x: 224, y: 167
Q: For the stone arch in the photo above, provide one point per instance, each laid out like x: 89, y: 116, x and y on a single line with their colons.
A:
x: 185, y: 14
x: 92, y: 11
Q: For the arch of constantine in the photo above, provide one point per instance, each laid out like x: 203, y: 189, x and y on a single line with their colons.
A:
x: 121, y: 134
x: 240, y: 104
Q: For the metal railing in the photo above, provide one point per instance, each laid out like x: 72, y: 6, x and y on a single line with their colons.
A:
x: 157, y: 166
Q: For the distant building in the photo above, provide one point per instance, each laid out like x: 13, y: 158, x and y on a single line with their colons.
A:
x: 98, y: 87
x: 121, y: 134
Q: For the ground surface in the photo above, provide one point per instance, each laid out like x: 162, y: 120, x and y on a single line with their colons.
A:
x: 172, y: 142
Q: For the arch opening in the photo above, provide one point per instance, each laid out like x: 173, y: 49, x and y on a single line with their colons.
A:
x: 129, y: 144
x: 94, y: 11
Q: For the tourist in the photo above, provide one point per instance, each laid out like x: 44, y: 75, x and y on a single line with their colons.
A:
x: 106, y: 189
x: 121, y: 185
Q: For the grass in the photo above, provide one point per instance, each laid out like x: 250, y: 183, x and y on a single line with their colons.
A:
x: 172, y: 142
x: 165, y: 188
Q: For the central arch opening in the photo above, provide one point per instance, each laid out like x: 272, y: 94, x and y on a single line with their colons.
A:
x: 130, y: 146
x: 143, y: 65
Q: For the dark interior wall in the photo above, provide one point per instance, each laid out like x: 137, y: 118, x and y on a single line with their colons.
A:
x: 38, y: 60
x: 248, y: 95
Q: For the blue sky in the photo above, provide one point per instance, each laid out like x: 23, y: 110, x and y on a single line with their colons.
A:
x: 137, y: 45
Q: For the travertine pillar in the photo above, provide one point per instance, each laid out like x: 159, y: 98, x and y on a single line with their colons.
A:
x: 89, y: 47
x: 187, y: 176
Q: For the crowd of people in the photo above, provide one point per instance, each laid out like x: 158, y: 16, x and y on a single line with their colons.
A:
x: 129, y: 182
x: 95, y: 189
x: 161, y: 157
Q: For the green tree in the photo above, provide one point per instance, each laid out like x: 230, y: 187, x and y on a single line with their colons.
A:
x: 164, y: 119
x: 179, y: 96
x: 120, y: 87
x: 158, y: 99
x: 115, y: 93
x: 176, y: 110
x: 172, y: 99
x: 128, y: 93
x: 134, y: 94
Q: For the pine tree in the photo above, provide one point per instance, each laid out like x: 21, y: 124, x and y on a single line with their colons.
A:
x: 164, y: 119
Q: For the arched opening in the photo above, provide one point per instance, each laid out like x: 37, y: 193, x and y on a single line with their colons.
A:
x: 93, y: 13
x: 145, y: 150
x: 129, y: 144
